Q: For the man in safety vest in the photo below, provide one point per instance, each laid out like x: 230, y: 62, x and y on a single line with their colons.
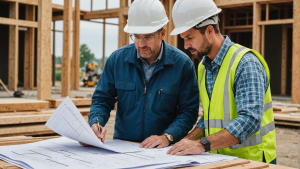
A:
x: 154, y: 82
x: 234, y: 84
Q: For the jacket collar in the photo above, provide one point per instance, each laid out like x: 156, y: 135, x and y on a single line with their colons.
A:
x: 167, y: 58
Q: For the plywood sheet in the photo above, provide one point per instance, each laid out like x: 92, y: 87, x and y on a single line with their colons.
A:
x: 18, y: 104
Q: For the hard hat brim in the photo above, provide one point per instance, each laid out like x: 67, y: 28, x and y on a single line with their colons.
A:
x: 143, y: 29
x: 182, y: 29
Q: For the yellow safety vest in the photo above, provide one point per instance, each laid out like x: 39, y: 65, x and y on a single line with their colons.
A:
x: 221, y: 109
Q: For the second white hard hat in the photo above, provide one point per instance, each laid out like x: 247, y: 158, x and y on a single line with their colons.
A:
x: 188, y: 13
x: 146, y: 16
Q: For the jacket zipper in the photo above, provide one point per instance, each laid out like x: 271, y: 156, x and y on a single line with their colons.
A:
x: 159, y: 92
x: 145, y: 93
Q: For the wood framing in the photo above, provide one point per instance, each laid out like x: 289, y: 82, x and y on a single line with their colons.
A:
x: 53, y: 54
x: 13, y: 47
x: 66, y: 65
x: 9, y: 21
x: 235, y: 3
x: 284, y: 60
x: 295, y: 57
x: 256, y: 28
x: 26, y: 2
x: 276, y: 22
x: 76, y: 48
x: 109, y: 13
x: 29, y: 50
x: 44, y: 50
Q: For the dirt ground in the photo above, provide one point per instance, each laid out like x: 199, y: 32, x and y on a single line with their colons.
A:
x: 287, y: 142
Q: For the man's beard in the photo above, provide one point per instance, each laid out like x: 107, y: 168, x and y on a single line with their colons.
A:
x: 152, y: 52
x: 206, y: 49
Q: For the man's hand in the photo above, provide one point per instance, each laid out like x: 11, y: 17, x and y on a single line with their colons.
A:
x: 101, y: 136
x: 186, y: 146
x: 152, y: 141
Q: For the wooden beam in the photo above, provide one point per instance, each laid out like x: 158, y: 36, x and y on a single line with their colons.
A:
x: 26, y: 2
x: 239, y: 27
x: 295, y: 57
x: 235, y: 3
x: 66, y: 65
x: 276, y: 22
x: 9, y: 21
x: 267, y: 10
x: 44, y: 50
x: 13, y: 48
x: 284, y: 60
x: 103, y: 44
x: 262, y: 52
x: 5, y: 88
x: 53, y: 54
x: 256, y: 28
x: 122, y: 34
x: 76, y: 47
x: 101, y: 14
x: 172, y: 39
x: 29, y: 50
x: 17, y: 104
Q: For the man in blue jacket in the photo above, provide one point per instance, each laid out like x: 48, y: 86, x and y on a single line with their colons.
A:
x: 155, y: 84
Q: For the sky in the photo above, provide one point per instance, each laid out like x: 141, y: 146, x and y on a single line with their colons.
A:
x: 91, y: 33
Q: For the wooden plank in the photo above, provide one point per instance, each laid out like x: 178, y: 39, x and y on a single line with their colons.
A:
x: 16, y: 104
x: 66, y: 65
x: 25, y: 118
x: 13, y: 60
x: 221, y: 164
x: 103, y: 44
x: 101, y: 14
x: 256, y: 28
x: 276, y: 22
x: 44, y: 50
x: 295, y: 58
x: 235, y: 3
x: 76, y: 47
x: 54, y: 103
x: 286, y: 117
x: 171, y: 26
x: 283, y: 60
x: 251, y: 165
x: 53, y: 54
x: 27, y: 2
x: 287, y: 123
x: 122, y: 34
x: 262, y: 41
x: 27, y: 129
x: 9, y: 21
x: 29, y: 50
x: 5, y: 87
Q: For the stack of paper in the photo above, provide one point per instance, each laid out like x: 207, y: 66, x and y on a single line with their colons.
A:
x: 66, y: 152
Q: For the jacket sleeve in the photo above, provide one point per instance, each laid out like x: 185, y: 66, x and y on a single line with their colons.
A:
x: 103, y: 99
x: 188, y: 105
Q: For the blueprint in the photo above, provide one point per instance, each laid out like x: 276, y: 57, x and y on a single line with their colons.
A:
x: 68, y: 122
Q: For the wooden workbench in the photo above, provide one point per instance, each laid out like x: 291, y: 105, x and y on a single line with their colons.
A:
x: 233, y: 164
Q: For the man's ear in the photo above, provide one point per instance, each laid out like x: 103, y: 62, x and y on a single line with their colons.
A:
x: 163, y: 34
x: 209, y: 31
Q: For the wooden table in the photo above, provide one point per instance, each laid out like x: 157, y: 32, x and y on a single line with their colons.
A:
x: 233, y: 164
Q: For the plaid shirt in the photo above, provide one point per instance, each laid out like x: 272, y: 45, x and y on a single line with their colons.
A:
x: 250, y: 84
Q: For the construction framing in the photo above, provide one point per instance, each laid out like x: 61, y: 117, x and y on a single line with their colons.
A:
x: 48, y: 12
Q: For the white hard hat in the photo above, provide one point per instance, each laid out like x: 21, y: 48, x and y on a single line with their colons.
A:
x: 146, y: 16
x: 188, y: 13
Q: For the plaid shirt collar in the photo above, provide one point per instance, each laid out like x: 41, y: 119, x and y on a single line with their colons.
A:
x: 221, y: 54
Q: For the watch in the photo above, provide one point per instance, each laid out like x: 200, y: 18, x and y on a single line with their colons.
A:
x: 169, y: 137
x: 205, y: 142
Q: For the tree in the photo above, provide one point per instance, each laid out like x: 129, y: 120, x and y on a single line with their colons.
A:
x: 85, y: 55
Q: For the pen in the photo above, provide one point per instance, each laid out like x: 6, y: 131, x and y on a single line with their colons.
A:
x: 99, y: 129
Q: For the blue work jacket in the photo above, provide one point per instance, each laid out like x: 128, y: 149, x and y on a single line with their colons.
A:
x: 168, y: 103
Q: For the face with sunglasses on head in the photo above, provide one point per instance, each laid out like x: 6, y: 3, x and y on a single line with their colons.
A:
x: 148, y: 45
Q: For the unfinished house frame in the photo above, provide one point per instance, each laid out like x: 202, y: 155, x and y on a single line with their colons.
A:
x: 269, y: 26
